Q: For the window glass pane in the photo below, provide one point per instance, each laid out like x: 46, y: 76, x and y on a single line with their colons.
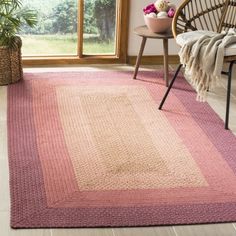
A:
x: 56, y: 31
x: 99, y: 27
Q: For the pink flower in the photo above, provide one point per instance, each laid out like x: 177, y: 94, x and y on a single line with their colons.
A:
x: 149, y: 9
x: 171, y: 12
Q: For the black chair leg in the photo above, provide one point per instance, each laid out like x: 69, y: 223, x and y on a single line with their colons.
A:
x: 170, y: 86
x: 228, y: 95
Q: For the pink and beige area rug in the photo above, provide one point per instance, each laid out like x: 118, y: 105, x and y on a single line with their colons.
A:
x: 91, y: 149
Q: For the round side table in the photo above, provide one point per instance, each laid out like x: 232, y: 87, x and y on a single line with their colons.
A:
x: 145, y: 33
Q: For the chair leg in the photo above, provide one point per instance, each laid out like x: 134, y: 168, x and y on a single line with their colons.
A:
x: 228, y: 95
x: 170, y: 86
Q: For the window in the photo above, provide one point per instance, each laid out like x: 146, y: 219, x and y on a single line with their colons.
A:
x: 76, y: 29
x: 99, y: 27
x: 56, y: 31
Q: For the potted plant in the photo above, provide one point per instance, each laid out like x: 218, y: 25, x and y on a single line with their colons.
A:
x: 12, y: 17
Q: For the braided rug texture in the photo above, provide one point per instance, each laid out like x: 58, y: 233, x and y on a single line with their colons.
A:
x: 91, y: 149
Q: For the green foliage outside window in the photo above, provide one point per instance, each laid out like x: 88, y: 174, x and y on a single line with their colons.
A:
x: 99, y: 17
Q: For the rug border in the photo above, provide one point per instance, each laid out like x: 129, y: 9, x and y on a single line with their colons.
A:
x: 61, y: 221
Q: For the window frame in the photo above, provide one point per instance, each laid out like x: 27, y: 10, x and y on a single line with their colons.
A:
x: 120, y: 56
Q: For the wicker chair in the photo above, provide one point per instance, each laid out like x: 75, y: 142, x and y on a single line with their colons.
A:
x: 210, y: 15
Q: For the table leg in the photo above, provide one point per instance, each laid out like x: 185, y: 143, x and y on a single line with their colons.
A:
x: 139, y: 56
x: 166, y: 70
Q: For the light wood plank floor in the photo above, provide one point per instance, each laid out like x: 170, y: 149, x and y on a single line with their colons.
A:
x: 216, y: 99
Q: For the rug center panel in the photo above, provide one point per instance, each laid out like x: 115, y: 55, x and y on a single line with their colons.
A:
x: 114, y: 140
x: 123, y: 144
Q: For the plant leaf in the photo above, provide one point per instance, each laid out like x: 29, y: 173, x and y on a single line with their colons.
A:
x: 12, y: 17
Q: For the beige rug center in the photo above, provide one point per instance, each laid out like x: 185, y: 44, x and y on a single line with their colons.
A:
x: 115, y: 141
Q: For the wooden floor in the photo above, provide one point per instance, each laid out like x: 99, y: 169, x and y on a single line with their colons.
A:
x: 216, y: 99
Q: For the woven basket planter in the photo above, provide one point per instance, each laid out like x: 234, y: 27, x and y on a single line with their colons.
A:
x: 11, y: 64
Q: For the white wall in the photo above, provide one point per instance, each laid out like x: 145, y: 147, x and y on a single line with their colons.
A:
x: 153, y: 46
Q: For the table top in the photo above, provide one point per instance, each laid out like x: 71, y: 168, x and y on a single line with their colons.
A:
x: 145, y: 32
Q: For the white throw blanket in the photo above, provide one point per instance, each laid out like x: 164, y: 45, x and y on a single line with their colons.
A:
x: 203, y: 60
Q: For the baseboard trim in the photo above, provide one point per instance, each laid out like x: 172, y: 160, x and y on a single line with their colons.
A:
x: 153, y: 60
